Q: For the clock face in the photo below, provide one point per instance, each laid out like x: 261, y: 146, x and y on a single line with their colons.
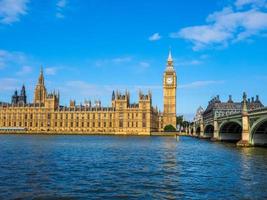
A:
x: 169, y: 80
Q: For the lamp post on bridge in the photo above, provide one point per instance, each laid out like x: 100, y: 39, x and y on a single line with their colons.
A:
x: 244, y: 142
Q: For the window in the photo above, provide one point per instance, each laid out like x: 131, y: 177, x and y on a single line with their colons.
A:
x: 144, y: 124
x: 121, y: 123
x: 144, y: 115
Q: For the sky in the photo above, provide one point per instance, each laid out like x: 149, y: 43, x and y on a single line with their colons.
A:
x: 89, y: 48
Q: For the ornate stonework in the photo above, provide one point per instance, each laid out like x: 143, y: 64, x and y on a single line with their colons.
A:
x: 169, y: 94
x: 46, y: 115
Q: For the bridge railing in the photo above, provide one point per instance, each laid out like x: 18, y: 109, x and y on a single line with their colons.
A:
x: 258, y: 110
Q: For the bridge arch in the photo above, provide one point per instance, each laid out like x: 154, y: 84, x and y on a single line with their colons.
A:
x: 231, y: 131
x: 198, y: 131
x: 258, y: 133
x: 192, y: 131
x: 209, y: 131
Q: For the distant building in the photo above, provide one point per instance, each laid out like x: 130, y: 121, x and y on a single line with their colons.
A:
x: 46, y: 115
x: 19, y: 99
x: 216, y: 108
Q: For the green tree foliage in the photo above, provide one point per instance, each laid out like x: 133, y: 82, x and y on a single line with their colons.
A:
x: 169, y: 128
x: 179, y: 120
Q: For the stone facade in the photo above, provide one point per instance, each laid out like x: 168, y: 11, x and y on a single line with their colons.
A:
x: 46, y: 115
x: 169, y: 94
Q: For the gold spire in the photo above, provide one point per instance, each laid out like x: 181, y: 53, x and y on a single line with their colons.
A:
x: 41, y: 77
x: 170, y: 61
x: 170, y: 56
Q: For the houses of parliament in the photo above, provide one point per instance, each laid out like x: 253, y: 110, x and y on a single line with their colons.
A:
x: 46, y: 115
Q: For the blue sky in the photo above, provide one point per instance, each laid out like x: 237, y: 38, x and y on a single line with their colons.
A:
x: 89, y: 48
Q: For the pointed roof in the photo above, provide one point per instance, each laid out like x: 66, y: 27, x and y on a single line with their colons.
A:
x: 170, y: 56
x: 170, y: 62
x: 41, y: 76
x: 113, y: 95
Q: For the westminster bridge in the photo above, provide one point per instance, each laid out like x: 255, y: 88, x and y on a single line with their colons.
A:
x: 244, y: 123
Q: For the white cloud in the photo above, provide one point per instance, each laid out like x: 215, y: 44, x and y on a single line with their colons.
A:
x: 254, y: 3
x: 121, y: 62
x: 12, y: 10
x: 189, y: 62
x: 85, y: 90
x: 155, y: 37
x: 9, y: 57
x: 121, y: 59
x: 61, y: 4
x: 144, y: 64
x: 225, y: 27
x: 60, y: 15
x: 199, y: 84
x: 8, y: 84
x: 113, y: 61
x: 50, y: 70
x: 25, y: 70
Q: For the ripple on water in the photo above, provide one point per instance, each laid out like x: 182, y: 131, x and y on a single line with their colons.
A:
x: 100, y: 167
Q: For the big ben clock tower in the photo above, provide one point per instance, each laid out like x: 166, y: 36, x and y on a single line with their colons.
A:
x: 169, y: 94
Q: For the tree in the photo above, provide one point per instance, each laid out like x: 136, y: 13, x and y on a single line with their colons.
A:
x: 179, y: 120
x: 169, y: 128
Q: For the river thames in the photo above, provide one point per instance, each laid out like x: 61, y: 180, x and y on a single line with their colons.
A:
x: 110, y: 167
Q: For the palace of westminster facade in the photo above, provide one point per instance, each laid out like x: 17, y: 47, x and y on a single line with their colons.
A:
x: 46, y: 115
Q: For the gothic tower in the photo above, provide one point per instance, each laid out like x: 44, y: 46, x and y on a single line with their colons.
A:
x: 169, y: 94
x: 23, y: 97
x: 40, y: 90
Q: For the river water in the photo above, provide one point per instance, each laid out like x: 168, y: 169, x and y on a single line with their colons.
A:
x: 110, y: 167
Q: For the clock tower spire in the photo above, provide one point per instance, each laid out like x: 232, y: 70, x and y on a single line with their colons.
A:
x: 169, y: 93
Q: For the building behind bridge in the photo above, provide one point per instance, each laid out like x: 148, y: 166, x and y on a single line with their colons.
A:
x: 216, y: 108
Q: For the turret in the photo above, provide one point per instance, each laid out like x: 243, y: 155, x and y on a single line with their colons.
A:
x: 40, y: 90
x: 52, y: 100
x: 113, y: 95
x: 14, y: 99
x: 244, y: 104
x: 72, y: 104
x: 230, y: 100
x: 22, y: 97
